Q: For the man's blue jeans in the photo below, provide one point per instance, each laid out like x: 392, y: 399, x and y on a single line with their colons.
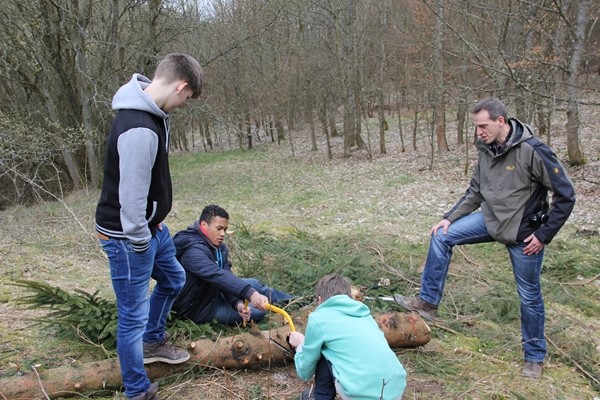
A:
x: 225, y: 314
x: 526, y: 269
x: 142, y: 318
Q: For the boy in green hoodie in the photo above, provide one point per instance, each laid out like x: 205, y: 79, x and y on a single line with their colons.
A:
x: 345, y: 349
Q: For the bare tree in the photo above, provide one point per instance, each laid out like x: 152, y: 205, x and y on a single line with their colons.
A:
x: 574, y: 149
x: 440, y: 92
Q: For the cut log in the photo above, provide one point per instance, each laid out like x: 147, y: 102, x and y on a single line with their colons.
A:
x: 250, y: 349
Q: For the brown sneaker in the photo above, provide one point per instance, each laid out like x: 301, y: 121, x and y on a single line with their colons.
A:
x: 532, y: 369
x: 155, y: 352
x: 415, y: 303
x: 150, y: 394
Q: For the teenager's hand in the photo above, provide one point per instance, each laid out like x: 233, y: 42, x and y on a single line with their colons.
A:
x: 243, y: 311
x: 295, y: 339
x: 259, y: 301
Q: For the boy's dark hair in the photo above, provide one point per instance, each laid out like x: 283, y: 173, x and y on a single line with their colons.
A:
x: 180, y: 66
x: 332, y: 285
x: 212, y: 211
x: 493, y: 106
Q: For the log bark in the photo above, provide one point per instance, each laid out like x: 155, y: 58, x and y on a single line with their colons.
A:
x: 247, y: 350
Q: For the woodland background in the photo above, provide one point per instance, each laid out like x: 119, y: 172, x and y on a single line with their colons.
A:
x: 272, y: 64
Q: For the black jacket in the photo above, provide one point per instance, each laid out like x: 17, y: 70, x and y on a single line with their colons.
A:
x: 208, y: 273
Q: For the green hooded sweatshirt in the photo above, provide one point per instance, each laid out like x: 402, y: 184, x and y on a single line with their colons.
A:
x: 343, y: 331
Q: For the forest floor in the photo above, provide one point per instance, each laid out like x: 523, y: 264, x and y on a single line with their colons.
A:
x: 384, y: 206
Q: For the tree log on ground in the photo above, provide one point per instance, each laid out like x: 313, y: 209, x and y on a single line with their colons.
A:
x: 249, y: 349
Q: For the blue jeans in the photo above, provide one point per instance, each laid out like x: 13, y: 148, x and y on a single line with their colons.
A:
x: 526, y: 269
x: 226, y: 315
x: 142, y: 318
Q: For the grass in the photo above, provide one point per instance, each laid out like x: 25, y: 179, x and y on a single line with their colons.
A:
x: 295, y: 219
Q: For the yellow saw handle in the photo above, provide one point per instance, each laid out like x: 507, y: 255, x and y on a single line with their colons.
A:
x: 283, y: 313
x: 245, y: 307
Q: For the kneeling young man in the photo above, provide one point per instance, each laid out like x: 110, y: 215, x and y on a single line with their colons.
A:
x: 211, y: 290
x: 345, y: 349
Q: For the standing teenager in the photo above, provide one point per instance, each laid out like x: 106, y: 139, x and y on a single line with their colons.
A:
x: 135, y: 199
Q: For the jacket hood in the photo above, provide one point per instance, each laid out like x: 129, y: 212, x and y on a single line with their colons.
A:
x: 188, y: 237
x: 346, y: 305
x: 131, y: 96
x: 521, y: 132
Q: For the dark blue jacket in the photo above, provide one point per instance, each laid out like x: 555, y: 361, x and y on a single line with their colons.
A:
x: 208, y: 274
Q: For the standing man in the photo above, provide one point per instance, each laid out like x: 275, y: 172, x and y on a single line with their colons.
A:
x: 136, y: 197
x: 510, y: 183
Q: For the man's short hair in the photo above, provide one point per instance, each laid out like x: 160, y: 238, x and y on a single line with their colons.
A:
x: 180, y: 66
x: 332, y: 285
x: 211, y: 211
x: 493, y: 106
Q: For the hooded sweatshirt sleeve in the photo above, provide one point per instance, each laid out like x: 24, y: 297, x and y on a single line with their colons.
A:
x: 137, y: 152
x: 309, y: 355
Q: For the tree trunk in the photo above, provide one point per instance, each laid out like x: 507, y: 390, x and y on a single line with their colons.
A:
x: 322, y: 112
x: 202, y: 136
x: 251, y: 349
x: 249, y: 131
x: 574, y: 149
x: 461, y: 117
x: 313, y: 135
x: 271, y: 130
x: 440, y: 95
x: 349, y: 132
x: 80, y: 32
x: 207, y: 134
x: 440, y: 125
x: 402, y: 149
x: 415, y: 128
x: 280, y: 130
x: 331, y: 117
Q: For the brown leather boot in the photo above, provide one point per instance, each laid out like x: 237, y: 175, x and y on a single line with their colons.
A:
x: 532, y: 369
x: 415, y: 303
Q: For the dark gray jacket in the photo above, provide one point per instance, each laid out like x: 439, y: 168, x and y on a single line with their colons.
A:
x: 511, y: 186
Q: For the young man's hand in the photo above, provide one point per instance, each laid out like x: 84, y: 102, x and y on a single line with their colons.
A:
x: 243, y: 311
x: 259, y: 301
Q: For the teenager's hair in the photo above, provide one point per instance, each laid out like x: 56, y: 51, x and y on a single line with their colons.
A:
x: 332, y: 285
x: 180, y: 66
x: 212, y: 211
x: 493, y: 106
